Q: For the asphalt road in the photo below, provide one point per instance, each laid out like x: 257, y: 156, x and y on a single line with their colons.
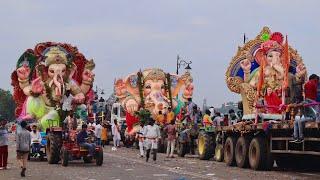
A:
x: 125, y: 164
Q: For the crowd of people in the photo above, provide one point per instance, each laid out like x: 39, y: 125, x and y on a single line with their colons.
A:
x: 149, y: 132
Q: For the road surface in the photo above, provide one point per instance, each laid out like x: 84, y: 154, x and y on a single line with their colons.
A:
x: 125, y: 164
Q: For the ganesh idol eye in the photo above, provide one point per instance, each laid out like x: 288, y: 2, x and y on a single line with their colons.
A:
x: 162, y: 87
x: 51, y: 71
x: 148, y: 86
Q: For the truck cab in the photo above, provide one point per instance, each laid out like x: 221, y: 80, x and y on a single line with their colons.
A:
x: 118, y: 113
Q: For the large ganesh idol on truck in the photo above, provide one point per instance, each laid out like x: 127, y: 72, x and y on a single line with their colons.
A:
x: 153, y: 90
x: 42, y: 77
x: 268, y: 74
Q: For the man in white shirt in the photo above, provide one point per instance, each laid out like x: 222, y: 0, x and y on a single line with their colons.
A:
x: 67, y: 103
x: 152, y: 134
x: 35, y: 141
x: 140, y: 138
x: 97, y: 133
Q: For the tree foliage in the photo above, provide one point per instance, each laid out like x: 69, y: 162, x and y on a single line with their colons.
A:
x: 7, y: 105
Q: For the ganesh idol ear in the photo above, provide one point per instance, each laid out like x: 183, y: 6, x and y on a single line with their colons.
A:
x: 177, y: 82
x: 132, y: 84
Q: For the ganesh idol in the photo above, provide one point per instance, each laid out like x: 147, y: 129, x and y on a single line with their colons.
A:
x: 43, y: 76
x: 265, y: 70
x: 154, y: 90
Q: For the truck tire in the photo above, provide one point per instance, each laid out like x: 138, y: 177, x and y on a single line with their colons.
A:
x: 241, y: 152
x: 218, y: 153
x: 229, y: 148
x: 182, y: 149
x: 99, y: 158
x: 54, y: 141
x: 64, y: 157
x: 259, y: 154
x: 205, y: 145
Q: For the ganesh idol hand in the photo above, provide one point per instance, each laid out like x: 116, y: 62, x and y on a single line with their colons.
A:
x: 79, y: 98
x: 23, y: 72
x: 245, y: 65
x: 132, y: 106
x: 37, y: 86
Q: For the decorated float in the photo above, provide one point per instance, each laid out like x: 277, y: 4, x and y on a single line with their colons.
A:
x: 42, y: 77
x: 266, y: 71
x: 269, y: 75
x: 152, y: 91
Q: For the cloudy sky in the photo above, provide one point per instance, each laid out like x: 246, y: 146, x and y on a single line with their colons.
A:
x: 126, y: 35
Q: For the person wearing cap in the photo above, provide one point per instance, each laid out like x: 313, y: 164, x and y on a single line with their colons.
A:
x: 23, y: 141
x: 3, y: 144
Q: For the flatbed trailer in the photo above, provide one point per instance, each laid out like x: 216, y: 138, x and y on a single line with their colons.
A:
x: 247, y: 144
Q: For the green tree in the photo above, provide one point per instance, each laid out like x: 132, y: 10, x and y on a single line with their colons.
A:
x: 7, y: 105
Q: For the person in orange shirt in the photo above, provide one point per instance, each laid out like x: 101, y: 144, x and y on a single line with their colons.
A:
x: 160, y: 118
x: 207, y: 119
x: 104, y: 135
x: 170, y: 116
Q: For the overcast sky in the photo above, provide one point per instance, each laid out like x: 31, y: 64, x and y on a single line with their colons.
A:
x: 123, y: 36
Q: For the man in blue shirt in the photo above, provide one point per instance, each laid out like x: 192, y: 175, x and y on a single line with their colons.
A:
x: 82, y: 140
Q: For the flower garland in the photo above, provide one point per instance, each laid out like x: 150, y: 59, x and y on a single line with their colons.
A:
x: 140, y: 86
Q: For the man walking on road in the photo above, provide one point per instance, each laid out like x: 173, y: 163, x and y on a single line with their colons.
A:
x: 171, y: 131
x: 140, y: 138
x: 3, y: 144
x: 152, y: 134
x: 23, y: 141
x: 97, y: 133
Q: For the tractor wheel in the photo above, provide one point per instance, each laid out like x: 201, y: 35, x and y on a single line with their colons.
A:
x: 229, y: 148
x: 205, y: 146
x: 64, y: 157
x: 99, y: 158
x: 54, y: 141
x: 182, y: 149
x: 259, y: 154
x: 87, y: 159
x: 241, y: 152
x: 218, y: 154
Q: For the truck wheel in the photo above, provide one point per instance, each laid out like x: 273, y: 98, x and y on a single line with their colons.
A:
x: 218, y: 154
x: 54, y: 142
x: 229, y: 147
x: 99, y: 158
x: 259, y: 154
x: 205, y: 146
x: 182, y: 149
x: 64, y: 157
x: 241, y: 152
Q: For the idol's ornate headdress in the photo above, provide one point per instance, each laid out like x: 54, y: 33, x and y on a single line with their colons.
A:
x: 272, y: 43
x: 55, y: 55
x: 155, y: 74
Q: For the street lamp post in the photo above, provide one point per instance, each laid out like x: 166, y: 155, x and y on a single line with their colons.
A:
x: 182, y: 62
